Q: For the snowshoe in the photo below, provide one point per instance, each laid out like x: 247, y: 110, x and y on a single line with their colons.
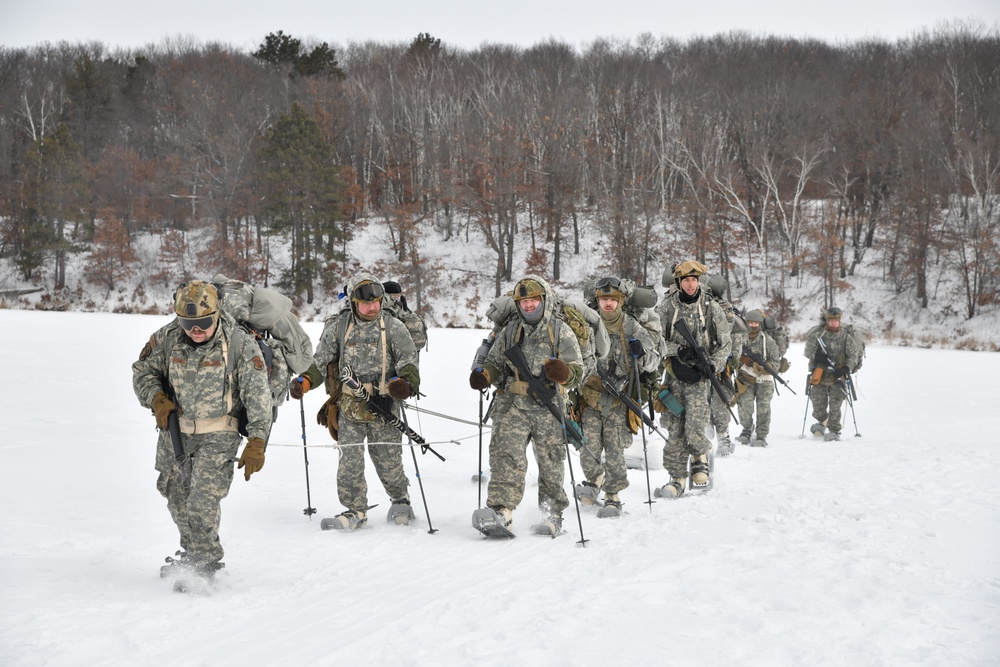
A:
x: 173, y: 564
x: 196, y: 579
x: 612, y: 508
x: 400, y: 513
x: 725, y: 447
x: 349, y: 520
x: 758, y: 442
x: 587, y: 493
x: 493, y: 523
x: 817, y: 429
x: 551, y: 527
x: 743, y: 439
x: 832, y: 436
x: 672, y: 489
x: 701, y: 468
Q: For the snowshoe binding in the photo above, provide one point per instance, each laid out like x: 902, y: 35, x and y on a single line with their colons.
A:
x: 817, y: 429
x: 701, y: 468
x: 400, y: 513
x: 672, y: 489
x: 612, y: 507
x: 587, y: 493
x: 551, y: 527
x: 831, y: 436
x: 743, y: 439
x: 725, y: 447
x: 349, y: 520
x: 758, y: 442
x: 493, y: 522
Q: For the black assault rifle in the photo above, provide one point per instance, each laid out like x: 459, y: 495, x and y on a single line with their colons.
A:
x: 544, y: 395
x: 759, y: 360
x: 704, y: 365
x: 615, y: 386
x: 351, y: 381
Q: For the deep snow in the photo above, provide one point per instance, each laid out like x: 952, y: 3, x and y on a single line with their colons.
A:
x: 878, y: 550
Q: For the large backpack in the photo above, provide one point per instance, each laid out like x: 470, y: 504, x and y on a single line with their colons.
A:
x: 267, y: 315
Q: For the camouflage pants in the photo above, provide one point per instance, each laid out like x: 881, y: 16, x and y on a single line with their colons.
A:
x: 194, y: 499
x: 827, y: 402
x: 686, y: 433
x: 514, y: 428
x: 610, y: 435
x: 720, y: 416
x: 352, y: 488
x: 759, y: 394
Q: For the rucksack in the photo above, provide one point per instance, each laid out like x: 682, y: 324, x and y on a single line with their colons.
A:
x: 266, y: 315
x: 854, y: 333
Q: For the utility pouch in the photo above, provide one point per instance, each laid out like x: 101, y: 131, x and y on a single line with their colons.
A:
x: 816, y: 376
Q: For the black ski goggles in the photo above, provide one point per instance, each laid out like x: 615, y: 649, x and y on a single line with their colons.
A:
x: 368, y: 292
x: 609, y: 285
x: 190, y: 323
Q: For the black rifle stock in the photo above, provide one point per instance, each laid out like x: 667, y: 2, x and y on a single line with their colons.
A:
x: 704, y: 365
x: 759, y: 360
x: 614, y: 387
x: 352, y: 382
x: 174, y: 429
x: 544, y: 395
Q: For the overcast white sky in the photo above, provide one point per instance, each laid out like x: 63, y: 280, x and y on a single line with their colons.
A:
x: 469, y: 23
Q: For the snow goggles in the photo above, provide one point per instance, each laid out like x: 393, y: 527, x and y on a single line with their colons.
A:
x: 203, y: 323
x: 609, y: 285
x: 368, y: 292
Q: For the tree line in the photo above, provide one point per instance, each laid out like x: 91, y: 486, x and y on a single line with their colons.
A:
x: 791, y: 158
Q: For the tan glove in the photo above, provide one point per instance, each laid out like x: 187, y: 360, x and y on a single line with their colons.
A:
x: 162, y: 407
x: 252, y: 457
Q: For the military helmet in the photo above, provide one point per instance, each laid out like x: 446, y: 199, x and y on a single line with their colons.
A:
x: 689, y: 268
x: 368, y: 291
x: 833, y: 313
x: 610, y: 288
x: 754, y: 316
x: 528, y: 289
x: 197, y: 305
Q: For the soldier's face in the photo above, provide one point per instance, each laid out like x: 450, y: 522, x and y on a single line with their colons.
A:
x: 201, y: 335
x: 833, y: 324
x: 529, y: 305
x: 689, y: 284
x: 754, y: 326
x: 369, y: 308
x: 607, y: 304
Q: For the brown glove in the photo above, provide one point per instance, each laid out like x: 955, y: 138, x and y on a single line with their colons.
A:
x: 252, y: 457
x: 557, y: 370
x: 479, y: 379
x: 328, y: 416
x: 162, y: 407
x: 299, y: 386
x: 399, y: 389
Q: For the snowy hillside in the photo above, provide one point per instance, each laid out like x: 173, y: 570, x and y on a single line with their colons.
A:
x: 877, y: 550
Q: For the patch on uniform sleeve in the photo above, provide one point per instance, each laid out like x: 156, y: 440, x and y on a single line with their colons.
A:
x: 258, y: 363
x: 147, y: 349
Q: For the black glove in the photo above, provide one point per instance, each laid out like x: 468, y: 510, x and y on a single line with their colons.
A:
x: 841, y: 371
x: 635, y: 348
x: 688, y: 356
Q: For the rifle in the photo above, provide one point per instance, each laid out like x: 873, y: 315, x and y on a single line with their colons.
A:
x: 614, y: 386
x: 703, y: 364
x: 544, y: 395
x: 829, y: 365
x: 348, y: 377
x: 759, y: 360
x: 174, y: 429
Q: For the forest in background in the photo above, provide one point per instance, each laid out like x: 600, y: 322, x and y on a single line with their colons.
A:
x: 777, y: 161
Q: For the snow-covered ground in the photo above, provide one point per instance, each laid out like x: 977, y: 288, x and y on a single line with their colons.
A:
x: 878, y: 550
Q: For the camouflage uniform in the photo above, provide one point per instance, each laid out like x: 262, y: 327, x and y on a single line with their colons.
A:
x: 720, y: 415
x: 829, y: 394
x: 759, y: 386
x: 605, y: 420
x: 195, y: 377
x: 707, y: 323
x: 377, y: 351
x: 519, y: 419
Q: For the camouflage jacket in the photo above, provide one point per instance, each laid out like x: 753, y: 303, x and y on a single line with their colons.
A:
x: 706, y: 321
x: 197, y: 379
x: 767, y: 348
x: 843, y: 350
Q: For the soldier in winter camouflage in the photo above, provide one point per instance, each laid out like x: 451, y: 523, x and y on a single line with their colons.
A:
x: 607, y: 424
x: 707, y: 323
x: 207, y: 372
x: 828, y: 372
x: 720, y: 416
x: 553, y: 353
x: 395, y: 302
x: 756, y: 384
x: 380, y: 351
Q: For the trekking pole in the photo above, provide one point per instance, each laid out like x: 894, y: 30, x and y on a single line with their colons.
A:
x: 645, y: 459
x: 416, y: 467
x: 850, y: 401
x: 481, y: 448
x: 572, y: 483
x: 309, y: 510
x: 806, y: 414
